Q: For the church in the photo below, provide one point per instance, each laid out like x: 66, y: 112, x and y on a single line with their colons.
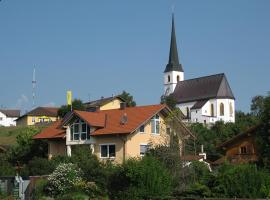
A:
x: 202, y: 100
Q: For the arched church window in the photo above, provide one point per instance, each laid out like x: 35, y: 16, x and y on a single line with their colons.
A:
x: 231, y: 109
x: 188, y: 114
x: 212, y: 110
x: 169, y: 78
x: 221, y: 109
x: 178, y: 78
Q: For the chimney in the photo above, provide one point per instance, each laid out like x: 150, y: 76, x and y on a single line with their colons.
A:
x: 202, y: 153
x: 123, y: 105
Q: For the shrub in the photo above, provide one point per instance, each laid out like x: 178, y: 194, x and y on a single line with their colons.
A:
x: 140, y: 179
x: 40, y: 166
x: 63, y: 179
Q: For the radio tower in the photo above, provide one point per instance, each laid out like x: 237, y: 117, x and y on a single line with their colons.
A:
x: 34, y: 82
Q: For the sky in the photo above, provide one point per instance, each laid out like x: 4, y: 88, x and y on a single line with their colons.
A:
x: 100, y: 48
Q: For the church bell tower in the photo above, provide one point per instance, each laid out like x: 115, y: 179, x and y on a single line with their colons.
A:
x: 173, y: 71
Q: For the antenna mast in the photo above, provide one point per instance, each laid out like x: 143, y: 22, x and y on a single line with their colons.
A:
x: 34, y: 86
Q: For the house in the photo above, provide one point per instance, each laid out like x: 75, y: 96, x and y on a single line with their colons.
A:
x: 241, y: 148
x: 37, y: 116
x: 8, y: 117
x: 205, y: 99
x: 113, y: 102
x: 115, y: 134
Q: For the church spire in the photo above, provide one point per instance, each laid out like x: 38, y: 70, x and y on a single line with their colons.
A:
x: 173, y: 64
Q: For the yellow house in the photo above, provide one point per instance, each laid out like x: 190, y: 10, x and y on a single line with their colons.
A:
x: 115, y: 134
x: 37, y: 116
x: 108, y: 103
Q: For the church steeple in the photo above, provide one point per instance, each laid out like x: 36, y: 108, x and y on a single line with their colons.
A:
x: 173, y: 64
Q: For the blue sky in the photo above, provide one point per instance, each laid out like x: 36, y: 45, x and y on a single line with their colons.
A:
x: 99, y: 48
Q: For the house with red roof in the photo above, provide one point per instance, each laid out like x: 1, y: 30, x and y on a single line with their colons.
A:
x: 114, y: 134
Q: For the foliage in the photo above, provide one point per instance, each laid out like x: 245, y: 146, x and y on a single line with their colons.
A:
x: 40, y: 166
x: 140, y: 179
x: 77, y: 104
x: 38, y: 191
x: 6, y: 169
x: 63, y: 179
x: 244, y: 181
x: 27, y: 148
x: 128, y: 99
x: 92, y: 169
x: 169, y: 100
x: 263, y: 136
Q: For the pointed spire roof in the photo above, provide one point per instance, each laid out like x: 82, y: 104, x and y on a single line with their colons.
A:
x: 173, y: 64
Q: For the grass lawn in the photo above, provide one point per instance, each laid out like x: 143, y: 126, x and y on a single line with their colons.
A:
x: 8, y: 134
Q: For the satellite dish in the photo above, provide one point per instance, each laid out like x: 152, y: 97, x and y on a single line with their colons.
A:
x: 124, y: 119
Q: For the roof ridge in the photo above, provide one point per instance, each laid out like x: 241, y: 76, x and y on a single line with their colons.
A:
x: 202, y: 77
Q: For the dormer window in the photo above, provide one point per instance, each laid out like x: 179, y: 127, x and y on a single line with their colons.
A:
x: 79, y: 130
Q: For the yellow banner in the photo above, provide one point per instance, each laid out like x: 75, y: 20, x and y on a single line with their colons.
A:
x: 69, y: 97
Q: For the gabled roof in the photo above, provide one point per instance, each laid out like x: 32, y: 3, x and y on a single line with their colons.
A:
x: 136, y: 116
x: 110, y: 119
x: 207, y: 87
x: 10, y: 113
x: 173, y: 63
x: 54, y: 131
x: 249, y: 132
x: 102, y: 101
x: 42, y: 111
x: 199, y: 104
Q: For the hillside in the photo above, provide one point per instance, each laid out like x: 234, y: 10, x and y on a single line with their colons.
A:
x: 8, y: 134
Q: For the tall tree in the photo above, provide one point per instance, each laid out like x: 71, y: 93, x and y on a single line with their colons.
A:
x: 77, y: 104
x: 128, y: 99
x: 169, y: 101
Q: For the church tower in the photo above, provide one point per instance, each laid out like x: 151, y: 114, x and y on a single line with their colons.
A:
x: 174, y: 71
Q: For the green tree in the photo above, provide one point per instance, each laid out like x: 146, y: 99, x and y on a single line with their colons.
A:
x: 128, y: 99
x: 169, y: 100
x: 26, y: 147
x: 263, y: 136
x: 77, y: 104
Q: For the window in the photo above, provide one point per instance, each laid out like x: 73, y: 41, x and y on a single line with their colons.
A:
x: 1, y: 118
x: 169, y: 78
x: 188, y: 114
x: 212, y: 110
x: 231, y: 109
x: 33, y: 119
x: 178, y: 78
x: 155, y: 124
x: 79, y: 130
x: 221, y: 109
x: 243, y: 150
x: 107, y: 151
x: 142, y: 129
x: 143, y: 149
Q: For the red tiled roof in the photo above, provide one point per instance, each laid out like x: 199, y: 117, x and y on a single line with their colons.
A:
x: 108, y: 120
x: 96, y: 119
x: 136, y: 116
x: 53, y: 131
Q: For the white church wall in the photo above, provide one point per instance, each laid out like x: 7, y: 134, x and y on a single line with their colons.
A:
x: 183, y: 107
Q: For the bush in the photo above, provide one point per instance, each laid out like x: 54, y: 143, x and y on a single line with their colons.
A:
x: 63, y: 179
x: 40, y: 166
x: 140, y: 179
x: 244, y: 181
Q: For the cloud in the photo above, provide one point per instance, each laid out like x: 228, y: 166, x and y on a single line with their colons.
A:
x: 22, y: 101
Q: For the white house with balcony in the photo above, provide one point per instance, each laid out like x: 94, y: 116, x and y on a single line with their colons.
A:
x: 205, y: 99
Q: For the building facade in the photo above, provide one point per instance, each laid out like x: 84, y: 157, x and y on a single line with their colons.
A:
x: 205, y: 99
x: 8, y: 117
x: 116, y: 134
